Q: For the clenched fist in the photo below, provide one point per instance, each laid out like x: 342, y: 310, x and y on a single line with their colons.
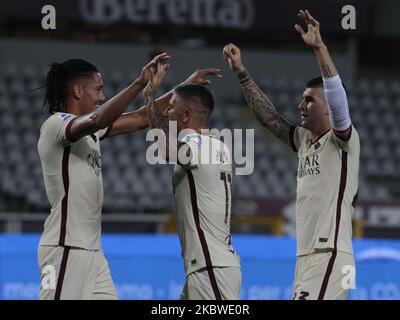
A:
x: 232, y: 54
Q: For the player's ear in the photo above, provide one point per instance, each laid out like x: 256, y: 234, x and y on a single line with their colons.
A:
x: 77, y: 90
x: 186, y: 115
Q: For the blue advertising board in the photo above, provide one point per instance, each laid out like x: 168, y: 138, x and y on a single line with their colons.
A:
x: 149, y: 266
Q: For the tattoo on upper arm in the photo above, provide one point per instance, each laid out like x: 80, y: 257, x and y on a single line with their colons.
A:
x: 263, y: 109
x: 326, y: 72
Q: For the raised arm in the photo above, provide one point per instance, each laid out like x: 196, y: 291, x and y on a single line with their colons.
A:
x: 259, y: 104
x: 335, y: 94
x: 111, y: 110
x: 155, y: 116
x: 136, y: 120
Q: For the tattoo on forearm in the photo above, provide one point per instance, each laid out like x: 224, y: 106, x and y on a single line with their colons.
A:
x: 156, y: 119
x: 244, y: 78
x: 263, y: 109
x: 326, y: 72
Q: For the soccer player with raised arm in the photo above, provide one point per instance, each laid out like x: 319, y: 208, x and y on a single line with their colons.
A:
x: 70, y: 255
x: 202, y: 182
x: 328, y: 149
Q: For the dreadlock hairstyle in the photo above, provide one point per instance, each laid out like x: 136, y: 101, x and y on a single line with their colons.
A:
x: 59, y: 77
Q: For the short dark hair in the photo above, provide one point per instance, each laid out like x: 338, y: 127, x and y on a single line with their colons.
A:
x: 316, y: 82
x: 199, y: 93
x: 59, y: 76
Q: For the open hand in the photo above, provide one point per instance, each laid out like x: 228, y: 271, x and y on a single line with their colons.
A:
x: 198, y: 77
x: 312, y: 37
x: 152, y: 67
x: 155, y: 79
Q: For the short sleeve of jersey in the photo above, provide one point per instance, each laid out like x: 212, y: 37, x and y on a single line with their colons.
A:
x: 297, y: 136
x: 57, y: 128
x: 190, y: 151
x: 353, y: 143
x: 103, y: 133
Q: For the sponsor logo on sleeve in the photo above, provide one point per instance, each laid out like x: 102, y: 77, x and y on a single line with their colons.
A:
x: 64, y: 116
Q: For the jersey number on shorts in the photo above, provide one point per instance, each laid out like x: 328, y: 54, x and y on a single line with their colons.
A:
x: 227, y: 178
x: 303, y: 295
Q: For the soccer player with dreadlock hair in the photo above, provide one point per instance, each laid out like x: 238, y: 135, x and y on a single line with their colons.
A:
x: 69, y: 150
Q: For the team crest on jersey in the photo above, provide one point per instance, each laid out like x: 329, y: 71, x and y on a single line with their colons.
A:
x: 64, y: 116
x: 195, y: 139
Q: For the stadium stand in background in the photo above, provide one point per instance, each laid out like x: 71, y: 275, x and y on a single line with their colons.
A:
x: 133, y: 186
x: 138, y: 195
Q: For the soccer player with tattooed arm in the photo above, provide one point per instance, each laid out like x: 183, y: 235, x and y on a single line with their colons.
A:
x: 202, y: 182
x: 69, y: 150
x: 328, y: 149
